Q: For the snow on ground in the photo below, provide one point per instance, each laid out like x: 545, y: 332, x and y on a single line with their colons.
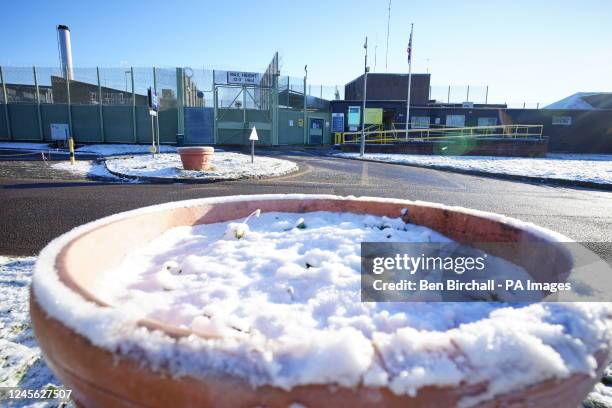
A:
x: 110, y: 149
x: 86, y: 169
x: 24, y: 145
x: 264, y: 286
x: 573, y: 167
x: 225, y: 166
x: 121, y: 149
x: 21, y: 364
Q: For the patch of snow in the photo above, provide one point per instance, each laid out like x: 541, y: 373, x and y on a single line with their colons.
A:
x: 121, y: 149
x: 225, y: 166
x: 21, y: 364
x: 110, y: 149
x: 573, y: 167
x: 86, y: 168
x: 404, y: 349
x: 25, y: 146
x: 600, y: 397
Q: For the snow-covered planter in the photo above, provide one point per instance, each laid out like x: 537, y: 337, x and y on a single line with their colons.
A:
x: 190, y: 304
x: 196, y: 157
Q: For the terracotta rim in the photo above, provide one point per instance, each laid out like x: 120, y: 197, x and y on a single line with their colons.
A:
x: 195, y: 150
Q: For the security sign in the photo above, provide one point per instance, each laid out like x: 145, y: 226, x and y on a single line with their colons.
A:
x: 234, y: 77
x: 152, y: 100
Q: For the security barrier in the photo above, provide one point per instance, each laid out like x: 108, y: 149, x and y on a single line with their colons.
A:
x: 379, y: 136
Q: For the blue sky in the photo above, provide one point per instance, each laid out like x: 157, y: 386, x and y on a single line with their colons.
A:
x: 526, y: 51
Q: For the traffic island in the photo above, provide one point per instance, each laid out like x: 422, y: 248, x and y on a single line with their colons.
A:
x: 168, y: 168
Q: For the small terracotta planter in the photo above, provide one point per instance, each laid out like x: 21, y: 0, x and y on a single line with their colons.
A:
x: 104, y: 378
x: 196, y: 157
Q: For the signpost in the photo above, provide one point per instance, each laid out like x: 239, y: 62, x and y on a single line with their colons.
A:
x: 253, y: 138
x: 153, y: 102
x: 366, y: 69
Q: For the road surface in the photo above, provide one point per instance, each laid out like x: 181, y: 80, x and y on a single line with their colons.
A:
x: 37, y: 205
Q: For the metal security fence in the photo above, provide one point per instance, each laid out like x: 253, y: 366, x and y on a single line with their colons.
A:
x: 197, y: 105
x: 97, y: 104
x: 459, y: 93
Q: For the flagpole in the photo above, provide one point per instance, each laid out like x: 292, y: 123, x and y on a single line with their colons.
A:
x: 365, y: 90
x: 409, y: 80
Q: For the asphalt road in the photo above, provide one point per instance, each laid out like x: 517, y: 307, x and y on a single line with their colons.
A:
x: 38, y: 207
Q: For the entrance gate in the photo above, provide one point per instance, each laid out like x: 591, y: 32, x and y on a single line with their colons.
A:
x: 243, y: 100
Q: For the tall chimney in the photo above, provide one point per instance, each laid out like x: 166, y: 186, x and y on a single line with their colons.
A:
x: 65, y: 49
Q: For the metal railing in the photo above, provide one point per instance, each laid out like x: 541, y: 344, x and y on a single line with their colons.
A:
x: 379, y: 136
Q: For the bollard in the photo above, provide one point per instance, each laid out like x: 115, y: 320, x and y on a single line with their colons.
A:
x: 71, y: 149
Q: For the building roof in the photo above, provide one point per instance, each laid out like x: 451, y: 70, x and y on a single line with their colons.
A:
x: 584, y: 101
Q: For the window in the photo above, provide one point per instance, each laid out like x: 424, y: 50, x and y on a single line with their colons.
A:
x: 562, y: 120
x: 419, y: 122
x: 487, y: 121
x: 455, y: 120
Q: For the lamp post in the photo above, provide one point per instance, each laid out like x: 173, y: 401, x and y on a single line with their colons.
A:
x: 304, y: 125
x: 126, y: 76
x: 365, y: 90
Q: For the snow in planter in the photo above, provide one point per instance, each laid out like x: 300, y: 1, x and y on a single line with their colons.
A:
x: 573, y: 167
x: 225, y: 166
x: 281, y: 306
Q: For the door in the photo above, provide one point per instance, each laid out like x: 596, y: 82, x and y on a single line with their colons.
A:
x: 199, y: 127
x: 315, y: 131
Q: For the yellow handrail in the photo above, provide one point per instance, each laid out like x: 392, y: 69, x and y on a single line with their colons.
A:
x: 375, y: 133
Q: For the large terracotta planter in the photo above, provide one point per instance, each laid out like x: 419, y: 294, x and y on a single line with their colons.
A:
x: 106, y: 378
x: 196, y: 157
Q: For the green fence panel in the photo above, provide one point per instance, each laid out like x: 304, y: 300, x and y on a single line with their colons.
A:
x: 289, y: 131
x: 143, y: 124
x: 234, y: 126
x: 118, y: 124
x: 168, y: 126
x: 4, y: 133
x: 86, y: 123
x: 56, y: 113
x: 24, y: 121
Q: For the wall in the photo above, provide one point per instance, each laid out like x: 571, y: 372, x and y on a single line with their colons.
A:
x: 590, y: 131
x: 290, y: 135
x: 390, y: 87
x: 119, y: 127
x: 118, y: 123
x: 294, y: 135
x: 234, y: 126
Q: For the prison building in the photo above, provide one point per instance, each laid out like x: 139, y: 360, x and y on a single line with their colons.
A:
x: 25, y: 93
x: 390, y: 87
x: 388, y: 92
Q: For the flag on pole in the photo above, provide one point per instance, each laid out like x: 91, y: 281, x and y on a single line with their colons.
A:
x: 409, y: 49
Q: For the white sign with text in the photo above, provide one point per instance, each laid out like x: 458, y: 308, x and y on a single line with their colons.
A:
x: 235, y: 77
